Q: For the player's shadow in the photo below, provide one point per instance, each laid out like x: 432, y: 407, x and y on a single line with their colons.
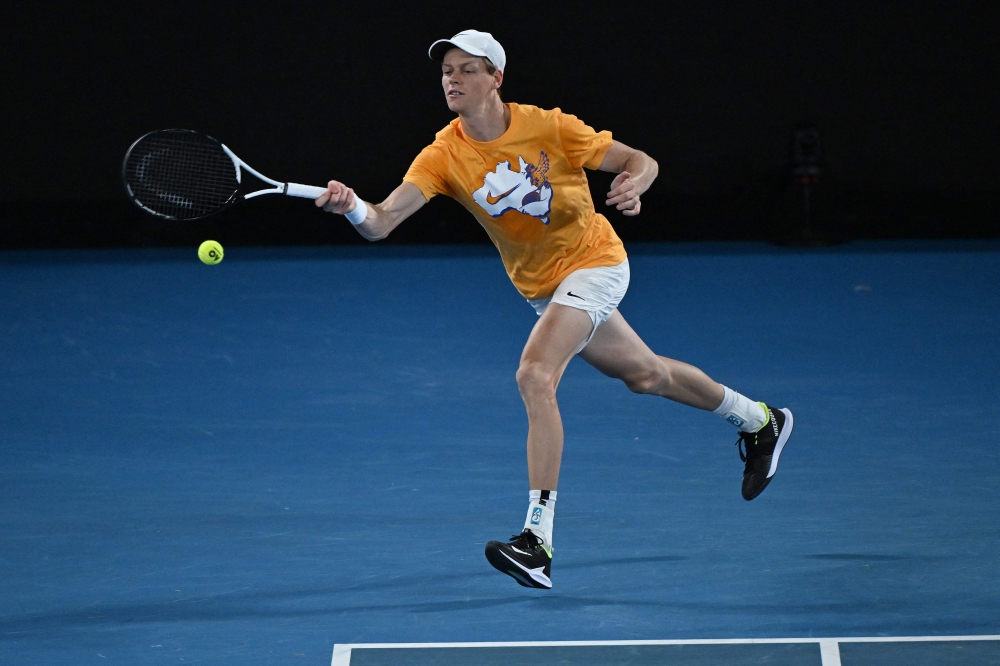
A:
x: 292, y: 604
x: 622, y: 560
x: 315, y: 601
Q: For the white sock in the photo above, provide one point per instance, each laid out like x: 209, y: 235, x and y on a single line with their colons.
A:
x: 741, y: 411
x: 541, y: 509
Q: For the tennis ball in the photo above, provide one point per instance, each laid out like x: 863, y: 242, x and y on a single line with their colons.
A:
x: 210, y: 252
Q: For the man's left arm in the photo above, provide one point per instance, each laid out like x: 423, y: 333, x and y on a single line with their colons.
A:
x: 636, y: 172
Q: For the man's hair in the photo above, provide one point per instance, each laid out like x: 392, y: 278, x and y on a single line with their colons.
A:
x: 491, y: 69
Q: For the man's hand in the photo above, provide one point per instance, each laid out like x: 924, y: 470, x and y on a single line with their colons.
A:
x: 624, y: 194
x: 338, y: 198
x: 382, y: 218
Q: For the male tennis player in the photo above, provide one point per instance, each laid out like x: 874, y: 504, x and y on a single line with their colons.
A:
x: 520, y: 171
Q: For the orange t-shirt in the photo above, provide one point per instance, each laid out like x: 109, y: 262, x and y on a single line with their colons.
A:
x: 528, y: 190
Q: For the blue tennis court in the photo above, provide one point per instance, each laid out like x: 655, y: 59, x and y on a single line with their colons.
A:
x: 301, y: 448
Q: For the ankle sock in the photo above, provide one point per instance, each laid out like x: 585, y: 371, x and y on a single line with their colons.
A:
x: 541, y: 509
x: 741, y: 411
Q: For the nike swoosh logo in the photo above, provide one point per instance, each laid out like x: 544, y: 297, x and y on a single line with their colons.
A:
x: 522, y: 567
x: 570, y: 293
x: 518, y: 550
x: 492, y: 200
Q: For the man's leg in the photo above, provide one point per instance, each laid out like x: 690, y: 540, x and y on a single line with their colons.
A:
x: 617, y: 351
x: 555, y: 339
x: 553, y: 342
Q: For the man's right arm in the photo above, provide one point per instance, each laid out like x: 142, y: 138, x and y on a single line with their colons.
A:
x: 404, y: 201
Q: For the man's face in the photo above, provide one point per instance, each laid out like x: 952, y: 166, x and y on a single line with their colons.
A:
x: 466, y: 81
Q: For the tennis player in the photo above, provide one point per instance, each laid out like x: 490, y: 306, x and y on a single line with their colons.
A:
x: 519, y: 170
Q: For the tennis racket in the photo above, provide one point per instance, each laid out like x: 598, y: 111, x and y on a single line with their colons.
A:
x: 180, y: 174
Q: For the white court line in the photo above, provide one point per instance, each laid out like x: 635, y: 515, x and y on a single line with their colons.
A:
x: 829, y: 648
x: 829, y: 652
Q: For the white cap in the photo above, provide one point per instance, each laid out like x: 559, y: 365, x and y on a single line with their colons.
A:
x: 474, y: 43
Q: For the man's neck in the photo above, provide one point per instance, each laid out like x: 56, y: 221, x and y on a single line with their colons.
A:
x: 488, y: 123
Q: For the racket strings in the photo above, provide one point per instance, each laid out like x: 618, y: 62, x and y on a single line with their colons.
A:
x: 180, y: 174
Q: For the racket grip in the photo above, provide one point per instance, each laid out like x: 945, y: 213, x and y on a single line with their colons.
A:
x: 303, y: 191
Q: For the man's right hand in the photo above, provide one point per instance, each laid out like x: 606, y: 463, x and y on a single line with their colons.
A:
x: 338, y: 198
x: 382, y: 218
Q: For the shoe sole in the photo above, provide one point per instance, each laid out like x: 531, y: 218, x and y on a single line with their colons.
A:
x: 524, y: 577
x: 786, y: 432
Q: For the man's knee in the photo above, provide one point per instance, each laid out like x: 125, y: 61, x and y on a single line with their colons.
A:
x: 648, y: 379
x: 535, y: 381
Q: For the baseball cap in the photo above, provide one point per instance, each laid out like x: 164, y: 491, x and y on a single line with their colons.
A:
x: 473, y: 42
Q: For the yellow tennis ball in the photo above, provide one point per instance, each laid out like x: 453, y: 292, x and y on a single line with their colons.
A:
x: 210, y: 252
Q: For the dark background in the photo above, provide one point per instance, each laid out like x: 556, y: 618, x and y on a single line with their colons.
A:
x: 904, y: 95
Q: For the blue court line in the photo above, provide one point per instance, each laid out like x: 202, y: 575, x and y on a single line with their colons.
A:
x: 829, y: 648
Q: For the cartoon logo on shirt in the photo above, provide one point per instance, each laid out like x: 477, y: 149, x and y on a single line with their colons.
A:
x: 526, y: 190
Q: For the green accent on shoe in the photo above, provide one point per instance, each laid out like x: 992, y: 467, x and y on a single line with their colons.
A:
x: 767, y: 416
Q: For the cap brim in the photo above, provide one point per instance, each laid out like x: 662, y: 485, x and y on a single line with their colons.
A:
x: 440, y: 47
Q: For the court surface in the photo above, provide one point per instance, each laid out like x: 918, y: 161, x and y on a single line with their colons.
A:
x: 301, y: 448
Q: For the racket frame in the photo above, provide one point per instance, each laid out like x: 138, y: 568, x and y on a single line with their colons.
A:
x: 289, y: 189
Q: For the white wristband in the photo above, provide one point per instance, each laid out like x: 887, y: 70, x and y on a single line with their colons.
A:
x: 360, y: 212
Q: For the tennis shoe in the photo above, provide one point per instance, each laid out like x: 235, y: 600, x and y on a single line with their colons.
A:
x: 763, y: 448
x: 525, y: 559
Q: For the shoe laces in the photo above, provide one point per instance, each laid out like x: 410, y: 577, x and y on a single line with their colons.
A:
x: 743, y: 443
x: 529, y: 538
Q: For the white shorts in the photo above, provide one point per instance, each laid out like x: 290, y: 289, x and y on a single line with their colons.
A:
x: 596, y: 291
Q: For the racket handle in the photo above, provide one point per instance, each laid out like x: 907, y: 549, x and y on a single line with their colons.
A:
x: 303, y: 191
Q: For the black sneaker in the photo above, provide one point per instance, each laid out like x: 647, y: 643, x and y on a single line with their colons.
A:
x: 524, y: 559
x: 763, y: 449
